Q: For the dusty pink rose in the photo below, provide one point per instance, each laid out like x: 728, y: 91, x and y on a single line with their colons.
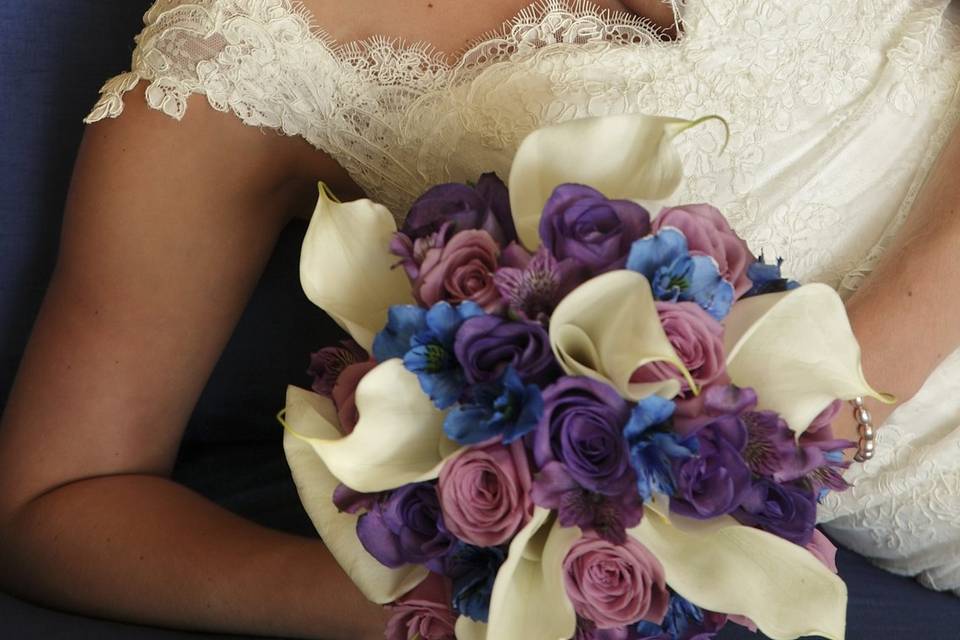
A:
x: 698, y: 340
x: 424, y: 613
x: 709, y: 233
x: 344, y: 392
x: 613, y: 586
x: 485, y: 493
x: 823, y: 550
x: 461, y: 270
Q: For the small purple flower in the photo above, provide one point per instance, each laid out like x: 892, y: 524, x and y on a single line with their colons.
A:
x: 407, y: 528
x: 534, y: 290
x: 328, y: 363
x: 654, y: 446
x: 485, y: 206
x: 587, y: 630
x: 771, y: 446
x: 609, y: 516
x: 582, y: 428
x: 684, y: 621
x: 785, y: 510
x: 579, y: 223
x: 716, y: 481
x: 821, y: 458
x: 346, y: 500
x: 412, y: 253
x: 487, y: 345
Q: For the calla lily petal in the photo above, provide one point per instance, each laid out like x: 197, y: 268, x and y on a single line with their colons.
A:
x: 346, y: 268
x: 797, y: 350
x: 530, y: 583
x: 468, y: 629
x: 399, y: 438
x: 607, y: 328
x: 624, y: 157
x: 313, y: 416
x: 721, y: 565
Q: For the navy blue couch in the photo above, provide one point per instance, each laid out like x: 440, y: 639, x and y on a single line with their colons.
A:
x: 54, y: 54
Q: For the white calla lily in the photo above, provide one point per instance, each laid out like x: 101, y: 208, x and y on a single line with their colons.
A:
x: 309, y: 415
x: 531, y: 583
x: 346, y: 267
x: 629, y: 156
x: 607, y: 328
x: 399, y: 438
x: 721, y: 565
x: 797, y: 350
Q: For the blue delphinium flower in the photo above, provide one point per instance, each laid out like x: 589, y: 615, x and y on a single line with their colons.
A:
x: 473, y: 571
x: 683, y: 620
x: 507, y: 408
x: 652, y: 447
x: 677, y: 276
x: 429, y: 352
x: 767, y: 278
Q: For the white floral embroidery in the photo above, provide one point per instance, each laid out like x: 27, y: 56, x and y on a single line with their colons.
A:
x: 837, y: 111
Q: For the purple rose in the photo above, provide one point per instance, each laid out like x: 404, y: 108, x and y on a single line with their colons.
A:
x: 716, y: 481
x: 785, y: 510
x: 485, y: 207
x: 698, y: 340
x: 582, y: 428
x: 708, y: 233
x: 581, y: 224
x: 615, y: 585
x: 406, y: 528
x: 462, y: 270
x: 486, y: 345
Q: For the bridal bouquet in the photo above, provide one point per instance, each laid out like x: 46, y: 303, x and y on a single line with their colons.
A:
x: 562, y: 418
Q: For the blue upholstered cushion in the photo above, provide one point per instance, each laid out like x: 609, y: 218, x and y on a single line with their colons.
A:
x: 54, y: 54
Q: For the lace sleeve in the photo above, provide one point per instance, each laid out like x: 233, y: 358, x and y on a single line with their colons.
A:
x: 235, y: 52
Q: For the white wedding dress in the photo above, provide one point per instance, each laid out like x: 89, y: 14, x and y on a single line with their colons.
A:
x: 837, y: 110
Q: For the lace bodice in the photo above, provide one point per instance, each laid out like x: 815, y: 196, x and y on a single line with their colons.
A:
x: 837, y: 110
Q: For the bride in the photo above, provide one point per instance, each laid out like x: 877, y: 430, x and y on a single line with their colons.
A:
x: 839, y: 160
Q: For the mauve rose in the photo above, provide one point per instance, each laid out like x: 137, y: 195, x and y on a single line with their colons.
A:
x: 461, y: 270
x: 424, y: 613
x: 716, y: 481
x: 708, y: 233
x: 485, y: 493
x: 345, y: 391
x: 615, y: 585
x: 582, y: 428
x: 581, y: 224
x: 487, y: 344
x: 785, y: 510
x: 823, y: 550
x: 698, y: 340
x: 485, y: 206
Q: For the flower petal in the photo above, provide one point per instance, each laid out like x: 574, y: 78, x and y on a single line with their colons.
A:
x: 531, y: 583
x: 399, y: 438
x: 346, y: 268
x: 313, y: 416
x: 607, y: 328
x: 721, y: 565
x: 797, y: 350
x: 624, y: 157
x: 468, y: 629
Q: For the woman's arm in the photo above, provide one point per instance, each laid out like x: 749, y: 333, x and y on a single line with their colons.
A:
x: 168, y: 226
x: 907, y: 313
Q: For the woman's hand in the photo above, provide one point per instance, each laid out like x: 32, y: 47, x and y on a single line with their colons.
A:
x: 168, y: 227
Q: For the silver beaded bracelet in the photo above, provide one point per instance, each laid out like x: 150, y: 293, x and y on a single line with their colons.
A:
x: 866, y: 445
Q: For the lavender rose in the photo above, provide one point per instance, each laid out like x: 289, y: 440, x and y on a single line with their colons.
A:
x: 485, y: 206
x: 406, y: 528
x: 582, y: 428
x: 716, y: 481
x: 708, y: 233
x: 345, y: 391
x: 615, y: 585
x: 461, y: 270
x: 485, y: 493
x: 487, y: 345
x: 785, y: 510
x: 581, y: 224
x: 424, y: 613
x: 698, y: 340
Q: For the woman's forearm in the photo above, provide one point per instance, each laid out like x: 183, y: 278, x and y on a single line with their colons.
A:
x: 906, y: 315
x: 145, y: 550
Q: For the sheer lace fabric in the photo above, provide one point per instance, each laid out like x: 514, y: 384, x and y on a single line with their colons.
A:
x: 837, y: 110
